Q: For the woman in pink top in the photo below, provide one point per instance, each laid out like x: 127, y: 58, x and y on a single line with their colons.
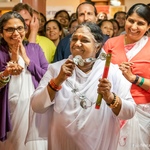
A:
x: 131, y: 53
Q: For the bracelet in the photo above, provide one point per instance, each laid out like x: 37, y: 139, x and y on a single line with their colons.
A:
x: 141, y: 82
x: 53, y: 86
x: 136, y: 79
x: 114, y: 103
x: 4, y: 78
x: 113, y: 100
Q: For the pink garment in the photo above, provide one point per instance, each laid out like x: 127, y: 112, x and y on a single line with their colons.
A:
x: 141, y: 65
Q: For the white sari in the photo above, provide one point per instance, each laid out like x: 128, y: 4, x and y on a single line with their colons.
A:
x: 20, y: 89
x: 73, y: 128
x: 135, y: 133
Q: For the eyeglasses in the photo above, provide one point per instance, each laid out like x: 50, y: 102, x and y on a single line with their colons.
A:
x: 11, y: 30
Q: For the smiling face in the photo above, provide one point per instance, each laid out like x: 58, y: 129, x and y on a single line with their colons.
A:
x: 52, y: 31
x: 135, y: 28
x: 107, y: 28
x: 83, y: 43
x: 11, y: 38
x: 86, y: 13
x: 62, y: 17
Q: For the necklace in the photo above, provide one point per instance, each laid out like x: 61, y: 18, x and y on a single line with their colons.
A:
x: 78, y: 60
x: 84, y: 101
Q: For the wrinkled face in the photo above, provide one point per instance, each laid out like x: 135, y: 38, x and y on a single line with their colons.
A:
x: 86, y: 14
x: 52, y: 31
x: 83, y: 43
x: 121, y: 17
x: 135, y: 28
x: 9, y: 33
x: 63, y: 19
x: 107, y: 28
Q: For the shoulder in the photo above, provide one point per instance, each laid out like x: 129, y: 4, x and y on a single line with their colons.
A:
x: 115, y: 39
x: 67, y: 38
x: 43, y: 39
x: 56, y: 65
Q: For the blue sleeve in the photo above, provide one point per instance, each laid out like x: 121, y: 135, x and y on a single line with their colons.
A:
x: 59, y: 52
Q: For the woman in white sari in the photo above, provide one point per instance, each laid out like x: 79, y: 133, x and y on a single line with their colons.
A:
x: 22, y: 65
x: 69, y: 91
x: 133, y: 55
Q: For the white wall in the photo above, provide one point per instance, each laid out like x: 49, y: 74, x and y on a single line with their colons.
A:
x: 129, y: 3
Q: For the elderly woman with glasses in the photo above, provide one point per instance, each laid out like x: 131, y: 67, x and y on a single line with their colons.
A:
x: 71, y: 90
x: 22, y: 66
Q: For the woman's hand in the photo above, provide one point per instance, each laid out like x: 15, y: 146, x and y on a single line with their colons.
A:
x: 12, y: 69
x: 126, y: 68
x: 65, y: 71
x: 23, y: 53
x: 104, y: 88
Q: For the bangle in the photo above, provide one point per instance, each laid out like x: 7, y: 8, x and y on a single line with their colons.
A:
x: 4, y: 78
x: 136, y: 79
x: 141, y: 82
x: 53, y: 86
x: 114, y: 103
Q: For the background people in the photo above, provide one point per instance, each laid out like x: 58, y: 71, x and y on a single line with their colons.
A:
x: 63, y: 17
x: 22, y: 66
x: 54, y: 31
x: 42, y: 22
x: 120, y: 16
x: 115, y: 26
x: 89, y: 15
x: 32, y: 24
x: 107, y: 27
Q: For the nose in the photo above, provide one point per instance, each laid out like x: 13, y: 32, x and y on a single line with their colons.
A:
x: 134, y: 26
x: 78, y: 43
x: 85, y: 17
x: 15, y: 31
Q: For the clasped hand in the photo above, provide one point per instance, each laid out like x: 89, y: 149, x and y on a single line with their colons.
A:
x: 13, y: 68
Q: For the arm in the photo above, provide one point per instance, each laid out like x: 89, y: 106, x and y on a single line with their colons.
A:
x: 34, y: 27
x: 126, y: 68
x: 125, y: 106
x: 44, y: 96
x: 38, y: 63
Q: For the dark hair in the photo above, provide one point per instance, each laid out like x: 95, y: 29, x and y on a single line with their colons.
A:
x: 43, y: 16
x: 60, y: 11
x: 71, y: 22
x: 141, y: 10
x: 95, y: 31
x: 7, y: 16
x: 114, y: 20
x: 87, y: 2
x: 148, y: 4
x: 21, y: 6
x: 58, y: 24
x: 102, y: 21
x: 119, y: 12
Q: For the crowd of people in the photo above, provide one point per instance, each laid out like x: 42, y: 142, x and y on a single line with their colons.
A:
x: 52, y: 74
